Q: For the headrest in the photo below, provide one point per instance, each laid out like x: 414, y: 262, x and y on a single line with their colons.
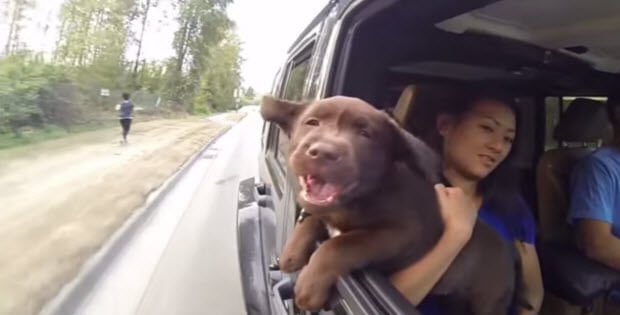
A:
x: 402, y: 110
x: 585, y: 120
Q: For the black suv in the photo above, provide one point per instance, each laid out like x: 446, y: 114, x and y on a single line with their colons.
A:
x: 551, y: 53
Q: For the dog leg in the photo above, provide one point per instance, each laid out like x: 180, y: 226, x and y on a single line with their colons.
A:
x: 300, y: 244
x: 339, y: 256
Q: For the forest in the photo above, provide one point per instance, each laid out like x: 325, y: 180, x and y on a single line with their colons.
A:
x: 98, y: 52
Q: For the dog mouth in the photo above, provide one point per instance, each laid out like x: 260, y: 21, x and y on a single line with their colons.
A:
x: 319, y: 192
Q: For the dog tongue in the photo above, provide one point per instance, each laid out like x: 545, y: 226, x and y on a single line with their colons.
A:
x: 319, y: 189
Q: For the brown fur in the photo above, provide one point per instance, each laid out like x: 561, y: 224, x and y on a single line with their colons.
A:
x: 389, y: 219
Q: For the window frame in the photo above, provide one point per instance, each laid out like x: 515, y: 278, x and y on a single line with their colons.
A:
x: 275, y: 166
x: 362, y: 292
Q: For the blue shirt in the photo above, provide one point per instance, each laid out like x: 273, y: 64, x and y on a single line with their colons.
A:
x: 595, y: 189
x: 516, y: 225
x: 126, y: 109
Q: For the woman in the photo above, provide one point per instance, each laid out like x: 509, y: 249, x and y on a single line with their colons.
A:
x: 125, y: 109
x: 476, y: 137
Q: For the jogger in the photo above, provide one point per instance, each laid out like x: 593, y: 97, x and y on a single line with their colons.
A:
x: 125, y: 111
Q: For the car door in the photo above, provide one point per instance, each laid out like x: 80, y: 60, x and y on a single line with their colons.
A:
x: 302, y: 79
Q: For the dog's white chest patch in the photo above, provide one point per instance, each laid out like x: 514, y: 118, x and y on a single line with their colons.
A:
x: 332, y: 231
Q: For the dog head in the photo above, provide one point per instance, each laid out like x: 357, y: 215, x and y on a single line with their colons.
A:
x: 341, y: 148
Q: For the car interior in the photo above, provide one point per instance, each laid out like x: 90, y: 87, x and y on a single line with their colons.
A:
x: 561, y: 65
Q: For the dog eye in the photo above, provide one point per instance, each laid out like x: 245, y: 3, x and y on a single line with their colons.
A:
x: 312, y: 122
x: 364, y: 133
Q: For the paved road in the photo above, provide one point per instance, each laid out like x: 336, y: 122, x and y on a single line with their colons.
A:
x: 184, y: 259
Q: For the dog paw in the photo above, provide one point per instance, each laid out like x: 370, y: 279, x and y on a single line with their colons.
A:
x: 312, y: 289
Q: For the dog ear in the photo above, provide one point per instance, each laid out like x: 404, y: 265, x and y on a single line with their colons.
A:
x: 416, y: 154
x: 282, y: 112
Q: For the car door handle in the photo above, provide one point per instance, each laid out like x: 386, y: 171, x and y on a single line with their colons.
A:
x: 263, y: 195
x: 262, y: 189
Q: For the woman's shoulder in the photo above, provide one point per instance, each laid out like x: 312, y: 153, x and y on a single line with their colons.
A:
x: 514, y: 215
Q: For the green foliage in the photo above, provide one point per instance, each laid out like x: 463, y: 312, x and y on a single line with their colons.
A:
x: 220, y: 78
x: 295, y: 85
x: 93, y: 39
x: 64, y: 91
x: 249, y: 93
x: 248, y: 97
x: 202, y: 26
x: 21, y: 81
x: 49, y: 132
x: 94, y: 32
x: 151, y: 76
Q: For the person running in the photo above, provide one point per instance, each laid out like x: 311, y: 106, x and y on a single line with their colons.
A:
x: 125, y: 110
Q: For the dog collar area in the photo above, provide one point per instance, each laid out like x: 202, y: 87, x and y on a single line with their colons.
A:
x: 302, y: 216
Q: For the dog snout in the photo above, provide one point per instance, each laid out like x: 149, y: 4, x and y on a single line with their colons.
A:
x: 323, y: 151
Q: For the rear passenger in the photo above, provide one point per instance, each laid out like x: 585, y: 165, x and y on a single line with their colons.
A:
x: 595, y: 199
x: 567, y: 273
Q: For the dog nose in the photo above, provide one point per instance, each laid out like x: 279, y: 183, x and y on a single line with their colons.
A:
x: 323, y: 151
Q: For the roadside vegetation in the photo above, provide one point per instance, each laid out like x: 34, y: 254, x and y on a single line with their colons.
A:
x: 98, y: 53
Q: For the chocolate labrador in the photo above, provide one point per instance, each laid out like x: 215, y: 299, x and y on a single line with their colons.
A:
x: 364, y: 176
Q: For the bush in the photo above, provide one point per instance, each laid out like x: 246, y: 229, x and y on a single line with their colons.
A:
x: 22, y: 79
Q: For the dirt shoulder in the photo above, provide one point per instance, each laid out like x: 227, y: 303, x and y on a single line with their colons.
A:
x: 61, y: 199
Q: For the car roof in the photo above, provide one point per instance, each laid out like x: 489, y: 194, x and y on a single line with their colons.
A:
x: 586, y: 30
x: 316, y: 21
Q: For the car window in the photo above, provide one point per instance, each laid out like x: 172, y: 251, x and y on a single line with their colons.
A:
x: 296, y: 79
x: 282, y: 149
x: 552, y: 118
x: 554, y: 107
x: 294, y: 88
x: 566, y: 100
x: 524, y: 146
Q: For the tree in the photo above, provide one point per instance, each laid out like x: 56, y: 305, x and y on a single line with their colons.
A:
x: 94, y: 29
x: 145, y: 8
x: 221, y: 77
x: 5, y: 9
x: 203, y: 76
x: 152, y: 76
x: 93, y: 38
x: 202, y: 25
x: 248, y: 97
x: 15, y: 14
x: 21, y: 81
x: 249, y: 93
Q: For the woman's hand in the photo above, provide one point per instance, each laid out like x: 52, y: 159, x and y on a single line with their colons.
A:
x: 458, y: 211
x: 459, y: 214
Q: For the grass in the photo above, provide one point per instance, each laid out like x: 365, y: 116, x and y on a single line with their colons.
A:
x: 49, y: 132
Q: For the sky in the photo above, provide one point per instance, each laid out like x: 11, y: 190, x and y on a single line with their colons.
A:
x: 266, y: 28
x: 45, y: 13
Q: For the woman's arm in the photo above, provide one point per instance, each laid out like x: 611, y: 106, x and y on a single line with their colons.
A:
x: 417, y: 280
x: 532, y: 287
x: 459, y: 214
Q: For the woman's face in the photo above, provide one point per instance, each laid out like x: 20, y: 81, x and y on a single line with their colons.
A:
x: 476, y: 143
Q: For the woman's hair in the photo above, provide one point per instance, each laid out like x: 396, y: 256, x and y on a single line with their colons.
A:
x: 501, y: 186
